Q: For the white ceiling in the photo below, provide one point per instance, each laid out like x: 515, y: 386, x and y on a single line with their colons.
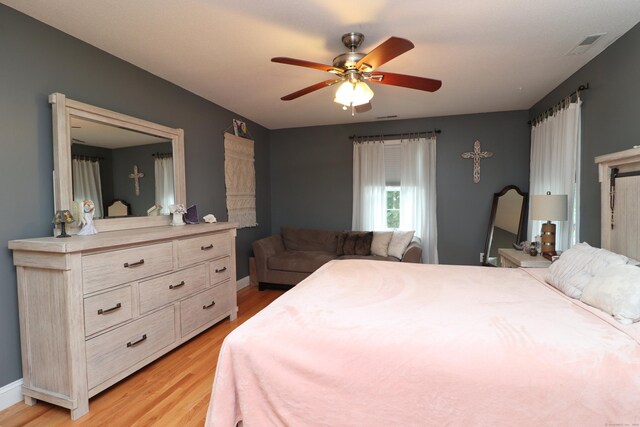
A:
x: 492, y: 55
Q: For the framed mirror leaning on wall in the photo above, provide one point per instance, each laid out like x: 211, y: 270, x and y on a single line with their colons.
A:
x: 133, y: 153
x: 505, y: 223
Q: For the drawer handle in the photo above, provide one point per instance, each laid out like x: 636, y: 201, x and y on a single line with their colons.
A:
x: 204, y: 307
x: 179, y: 285
x: 133, y: 264
x: 220, y: 270
x: 206, y: 248
x: 138, y: 341
x: 109, y: 310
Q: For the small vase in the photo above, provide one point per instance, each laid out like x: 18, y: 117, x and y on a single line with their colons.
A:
x: 176, y: 219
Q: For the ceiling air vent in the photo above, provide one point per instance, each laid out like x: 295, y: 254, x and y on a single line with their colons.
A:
x: 387, y: 117
x: 585, y: 44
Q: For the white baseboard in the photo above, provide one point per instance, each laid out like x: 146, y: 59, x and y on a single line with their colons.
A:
x: 242, y: 283
x: 10, y: 394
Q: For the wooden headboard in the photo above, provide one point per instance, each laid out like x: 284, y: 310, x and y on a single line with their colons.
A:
x: 619, y: 176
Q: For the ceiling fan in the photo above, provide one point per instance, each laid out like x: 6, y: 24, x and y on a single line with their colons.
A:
x: 353, y: 69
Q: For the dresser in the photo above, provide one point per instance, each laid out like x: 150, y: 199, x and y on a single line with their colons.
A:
x: 511, y: 258
x: 94, y: 309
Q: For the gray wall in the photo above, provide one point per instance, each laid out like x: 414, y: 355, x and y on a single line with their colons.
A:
x: 37, y: 60
x: 311, y: 175
x: 610, y: 117
x: 123, y: 187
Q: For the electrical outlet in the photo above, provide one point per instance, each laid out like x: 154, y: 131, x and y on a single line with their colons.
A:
x: 481, y: 256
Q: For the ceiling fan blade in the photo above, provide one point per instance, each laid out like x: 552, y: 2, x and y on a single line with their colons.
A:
x: 310, y: 89
x: 364, y: 108
x: 307, y: 64
x: 403, y: 80
x: 393, y: 47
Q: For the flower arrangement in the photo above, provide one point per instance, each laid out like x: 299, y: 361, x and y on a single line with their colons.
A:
x: 177, y: 211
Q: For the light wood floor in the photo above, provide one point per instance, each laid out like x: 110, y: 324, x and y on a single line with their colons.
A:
x: 172, y: 391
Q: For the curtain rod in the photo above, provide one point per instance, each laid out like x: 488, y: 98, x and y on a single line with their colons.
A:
x: 88, y: 158
x: 162, y: 155
x: 396, y: 135
x: 550, y: 110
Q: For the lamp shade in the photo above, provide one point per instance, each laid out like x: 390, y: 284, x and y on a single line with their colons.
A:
x: 353, y: 94
x: 549, y: 207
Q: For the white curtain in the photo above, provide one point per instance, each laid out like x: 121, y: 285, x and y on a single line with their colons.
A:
x: 555, y: 167
x: 418, y: 194
x: 86, y: 183
x: 368, y: 186
x: 165, y: 194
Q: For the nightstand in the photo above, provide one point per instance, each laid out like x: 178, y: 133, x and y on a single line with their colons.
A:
x: 511, y: 258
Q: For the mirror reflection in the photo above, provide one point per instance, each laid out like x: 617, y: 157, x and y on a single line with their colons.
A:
x: 119, y: 167
x: 505, y: 224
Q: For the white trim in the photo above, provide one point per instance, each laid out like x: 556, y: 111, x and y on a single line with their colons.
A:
x: 242, y: 283
x: 10, y: 394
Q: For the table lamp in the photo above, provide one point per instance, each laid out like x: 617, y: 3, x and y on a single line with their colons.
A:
x: 63, y: 217
x: 549, y: 207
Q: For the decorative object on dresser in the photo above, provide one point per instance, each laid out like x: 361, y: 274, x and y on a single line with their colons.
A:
x: 512, y: 258
x: 505, y: 222
x: 95, y: 309
x: 476, y: 155
x: 63, y: 217
x: 191, y: 216
x: 88, y: 208
x: 549, y: 207
x: 177, y: 212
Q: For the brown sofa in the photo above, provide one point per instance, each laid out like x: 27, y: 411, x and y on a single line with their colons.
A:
x: 289, y: 257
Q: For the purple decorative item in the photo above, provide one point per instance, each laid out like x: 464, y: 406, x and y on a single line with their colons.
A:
x: 191, y: 217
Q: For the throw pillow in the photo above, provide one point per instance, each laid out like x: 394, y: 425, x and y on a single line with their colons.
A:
x: 340, y: 248
x: 576, y: 266
x: 399, y: 242
x: 616, y: 291
x: 380, y: 243
x: 356, y: 243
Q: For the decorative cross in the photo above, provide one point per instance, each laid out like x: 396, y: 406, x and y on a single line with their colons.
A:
x: 476, y: 155
x: 136, y: 178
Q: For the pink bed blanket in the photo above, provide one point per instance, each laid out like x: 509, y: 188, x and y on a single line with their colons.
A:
x: 366, y: 343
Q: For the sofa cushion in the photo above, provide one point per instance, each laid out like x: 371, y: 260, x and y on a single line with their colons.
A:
x: 302, y: 239
x: 299, y: 261
x: 355, y: 243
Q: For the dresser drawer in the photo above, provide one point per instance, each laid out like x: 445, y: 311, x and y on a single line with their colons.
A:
x: 106, y: 310
x: 220, y: 270
x: 121, y: 348
x: 204, y: 307
x: 198, y: 249
x: 165, y: 289
x: 103, y: 270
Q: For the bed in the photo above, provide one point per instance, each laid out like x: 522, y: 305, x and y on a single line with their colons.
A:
x: 362, y: 343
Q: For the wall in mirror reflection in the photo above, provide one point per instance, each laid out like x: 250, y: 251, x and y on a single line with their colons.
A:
x: 115, y: 167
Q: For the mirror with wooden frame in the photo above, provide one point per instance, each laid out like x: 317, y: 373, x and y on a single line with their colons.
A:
x: 127, y: 147
x: 506, y: 222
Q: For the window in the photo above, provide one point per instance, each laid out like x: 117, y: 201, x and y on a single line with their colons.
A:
x: 393, y: 206
x: 392, y: 187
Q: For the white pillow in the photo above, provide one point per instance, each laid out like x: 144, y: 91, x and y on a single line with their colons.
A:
x: 399, y: 243
x: 380, y: 243
x: 616, y: 291
x: 576, y: 266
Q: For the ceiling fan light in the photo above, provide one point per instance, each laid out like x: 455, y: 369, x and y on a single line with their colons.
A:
x: 353, y: 94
